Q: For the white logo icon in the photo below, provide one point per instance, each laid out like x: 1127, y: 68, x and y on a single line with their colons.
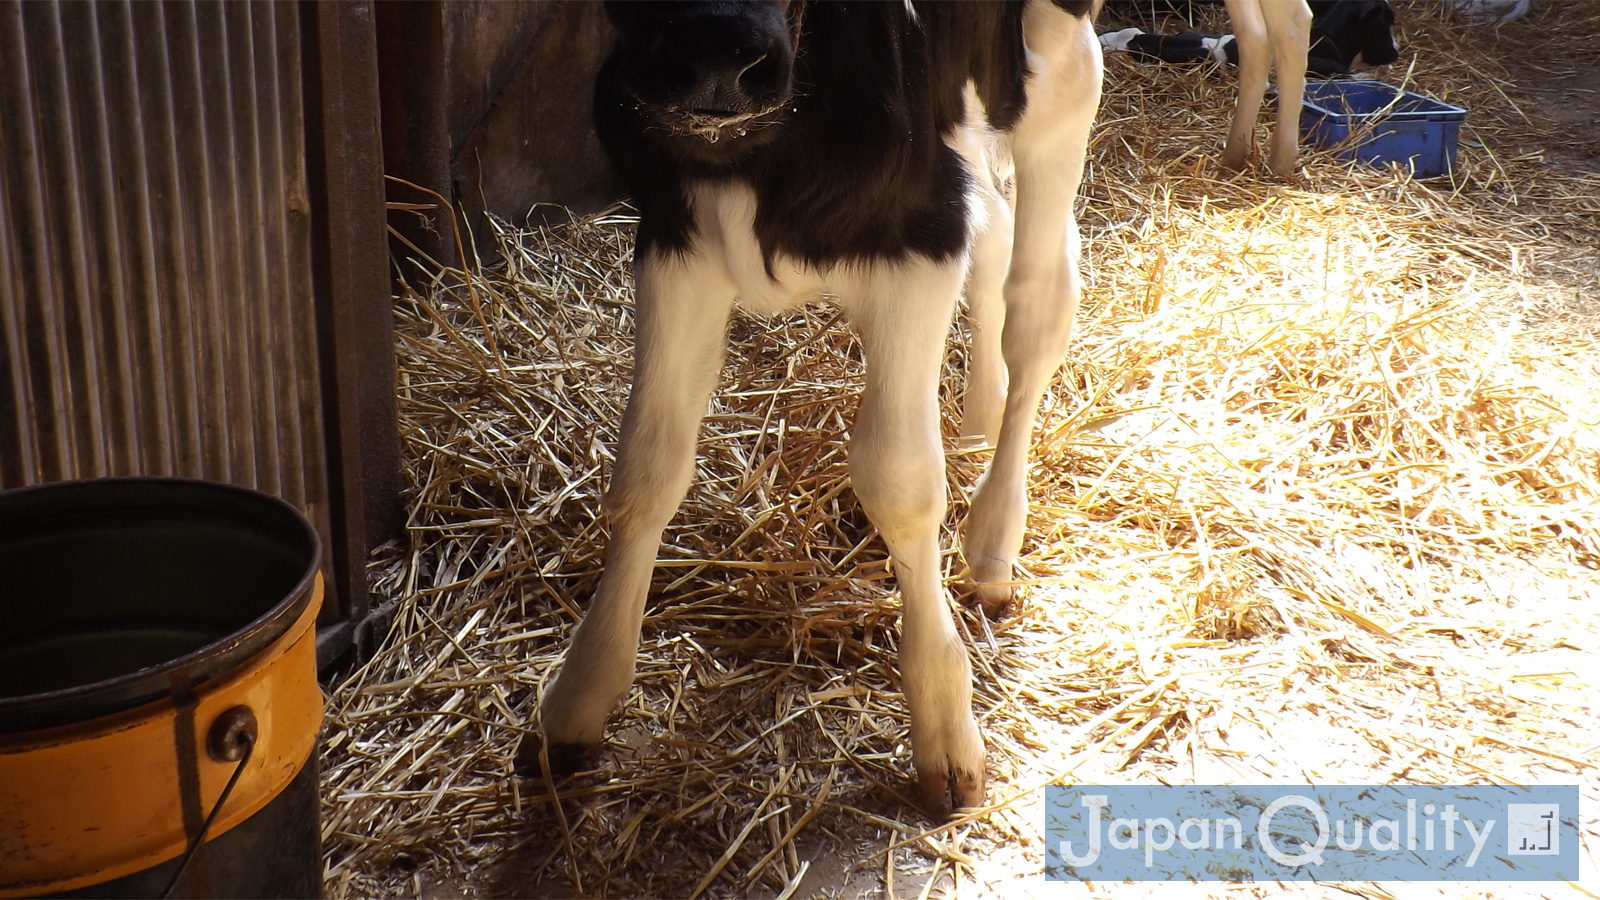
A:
x: 1533, y: 829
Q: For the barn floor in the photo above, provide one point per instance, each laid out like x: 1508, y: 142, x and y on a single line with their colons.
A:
x: 1315, y: 500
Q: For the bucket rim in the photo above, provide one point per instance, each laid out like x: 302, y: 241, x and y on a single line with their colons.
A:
x: 182, y: 674
x: 1320, y: 97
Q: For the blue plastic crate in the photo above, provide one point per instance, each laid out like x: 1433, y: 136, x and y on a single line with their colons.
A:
x: 1377, y: 123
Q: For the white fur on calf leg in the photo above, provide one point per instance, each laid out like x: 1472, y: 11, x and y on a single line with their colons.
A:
x: 682, y: 312
x: 1255, y: 59
x: 984, y: 397
x: 902, y: 312
x: 1042, y: 289
x: 1289, y: 28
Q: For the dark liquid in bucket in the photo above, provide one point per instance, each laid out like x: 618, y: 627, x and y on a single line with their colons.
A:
x: 56, y: 663
x: 122, y: 603
x: 95, y: 599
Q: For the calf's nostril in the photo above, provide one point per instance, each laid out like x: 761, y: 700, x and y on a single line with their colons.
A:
x: 757, y: 74
x: 751, y: 65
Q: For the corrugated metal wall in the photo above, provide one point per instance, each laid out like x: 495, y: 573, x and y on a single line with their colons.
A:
x: 156, y: 309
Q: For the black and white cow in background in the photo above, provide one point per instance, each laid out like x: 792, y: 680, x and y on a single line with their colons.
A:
x: 779, y: 152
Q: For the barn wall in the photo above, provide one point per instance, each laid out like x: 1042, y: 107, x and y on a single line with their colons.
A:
x: 489, y: 41
x: 179, y: 293
x: 521, y: 79
x: 153, y: 247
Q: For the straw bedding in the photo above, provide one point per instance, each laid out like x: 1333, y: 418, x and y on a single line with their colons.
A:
x: 1314, y: 499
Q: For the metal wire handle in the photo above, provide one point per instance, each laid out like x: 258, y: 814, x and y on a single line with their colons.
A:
x: 232, y: 737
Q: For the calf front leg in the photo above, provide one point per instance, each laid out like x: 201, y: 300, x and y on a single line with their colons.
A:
x: 1289, y: 30
x: 682, y: 314
x: 903, y: 315
x: 1255, y: 60
x: 1042, y: 288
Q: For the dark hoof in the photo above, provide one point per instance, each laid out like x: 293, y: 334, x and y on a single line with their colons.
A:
x: 944, y: 792
x: 993, y: 599
x: 565, y: 759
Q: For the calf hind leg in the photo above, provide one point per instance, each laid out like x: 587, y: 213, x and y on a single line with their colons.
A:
x: 1042, y: 288
x: 983, y: 400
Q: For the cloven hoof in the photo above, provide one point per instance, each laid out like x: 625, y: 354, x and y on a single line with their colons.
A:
x: 565, y: 759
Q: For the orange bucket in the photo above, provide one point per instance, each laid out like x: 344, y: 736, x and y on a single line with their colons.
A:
x: 159, y: 705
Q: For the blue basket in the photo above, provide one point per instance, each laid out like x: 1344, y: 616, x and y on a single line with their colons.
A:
x: 1378, y: 124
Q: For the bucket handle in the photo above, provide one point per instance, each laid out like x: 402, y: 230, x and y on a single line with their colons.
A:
x: 232, y: 737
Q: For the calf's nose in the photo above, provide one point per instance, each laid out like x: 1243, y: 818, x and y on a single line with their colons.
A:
x: 727, y: 87
x: 721, y: 68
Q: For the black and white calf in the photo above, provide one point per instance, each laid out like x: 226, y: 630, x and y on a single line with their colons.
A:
x: 779, y: 152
